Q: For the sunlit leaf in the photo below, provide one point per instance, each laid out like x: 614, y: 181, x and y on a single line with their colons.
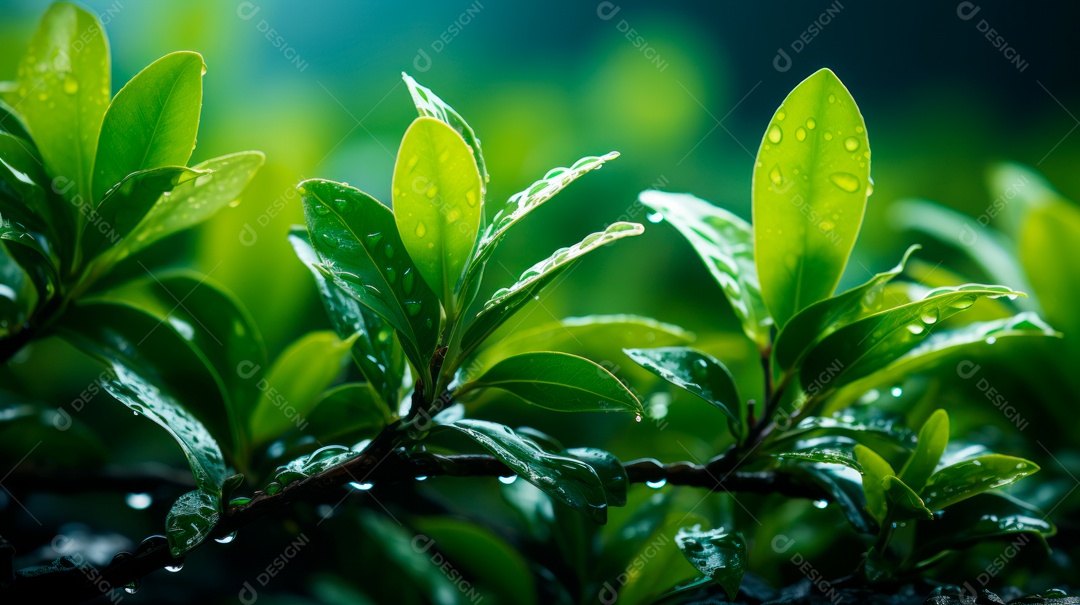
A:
x: 933, y: 437
x: 429, y: 104
x: 719, y: 554
x: 1049, y: 243
x: 874, y: 469
x: 975, y: 476
x: 810, y: 184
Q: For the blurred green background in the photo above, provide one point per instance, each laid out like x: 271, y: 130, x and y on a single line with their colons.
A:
x: 682, y: 89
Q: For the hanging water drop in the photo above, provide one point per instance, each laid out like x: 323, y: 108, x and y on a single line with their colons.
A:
x: 654, y: 217
x: 916, y: 329
x: 226, y: 539
x: 421, y: 477
x: 175, y: 567
x: 821, y: 503
x: 508, y: 479
x: 361, y: 486
x: 897, y: 391
x: 656, y: 484
x: 139, y: 501
x: 930, y: 316
x: 412, y: 307
x: 637, y: 418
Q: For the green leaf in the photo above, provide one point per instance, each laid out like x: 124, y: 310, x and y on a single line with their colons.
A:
x: 716, y: 553
x: 378, y: 355
x: 824, y: 450
x: 294, y: 383
x: 18, y: 296
x: 810, y: 185
x: 983, y: 245
x: 975, y: 476
x: 11, y: 122
x: 943, y: 344
x: 152, y: 121
x: 23, y: 188
x: 592, y: 337
x: 872, y: 343
x: 906, y: 504
x: 725, y: 243
x: 429, y: 104
x: 700, y: 374
x: 507, y: 301
x: 126, y: 204
x: 191, y: 520
x: 438, y: 202
x: 875, y: 469
x: 845, y: 485
x: 360, y: 249
x: 152, y: 371
x: 566, y: 480
x: 348, y: 413
x: 64, y: 88
x: 522, y: 203
x: 824, y: 317
x: 1048, y: 244
x: 216, y: 327
x: 192, y: 202
x: 611, y: 472
x: 980, y: 518
x: 933, y: 437
x: 558, y: 381
x: 855, y: 424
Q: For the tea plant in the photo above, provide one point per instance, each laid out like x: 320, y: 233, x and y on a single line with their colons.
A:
x: 401, y: 289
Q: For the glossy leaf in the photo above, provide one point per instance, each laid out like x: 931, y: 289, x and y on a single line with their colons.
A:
x: 11, y: 122
x: 874, y: 469
x: 429, y: 104
x: 437, y: 204
x: 191, y: 520
x: 725, y: 243
x: 872, y: 343
x: 23, y: 187
x: 611, y: 472
x: 933, y: 437
x: 716, y: 553
x: 846, y: 486
x: 18, y: 296
x: 982, y: 517
x: 965, y: 479
x: 194, y: 201
x: 810, y: 184
x: 64, y: 88
x: 904, y: 503
x: 348, y: 413
x: 824, y: 317
x: 126, y: 204
x: 854, y: 424
x: 154, y: 374
x: 558, y: 381
x: 507, y: 301
x: 823, y: 450
x: 700, y: 374
x: 359, y: 248
x: 215, y: 326
x: 566, y: 480
x: 376, y: 352
x: 1048, y: 243
x: 152, y: 121
x: 294, y: 383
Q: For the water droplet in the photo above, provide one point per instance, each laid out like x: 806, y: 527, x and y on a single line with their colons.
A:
x: 322, y: 210
x: 916, y: 329
x: 930, y: 316
x: 453, y: 215
x: 897, y: 391
x: 226, y: 539
x: 637, y: 418
x: 389, y: 250
x: 413, y: 307
x: 654, y: 217
x: 810, y: 124
x: 821, y: 503
x: 846, y: 181
x: 869, y: 186
x: 421, y: 230
x: 202, y: 72
x: 407, y: 280
x: 780, y: 115
x: 826, y: 226
x: 132, y: 588
x: 71, y: 85
x: 432, y: 191
x: 991, y: 340
x: 470, y: 197
x: 374, y: 238
x: 139, y: 501
x: 175, y: 567
x: 421, y: 477
x: 656, y: 484
x: 851, y: 143
x: 391, y: 274
x: 775, y: 134
x: 775, y: 176
x: 828, y: 136
x: 832, y: 98
x: 329, y: 240
x: 508, y: 479
x: 800, y: 133
x: 361, y: 486
x: 413, y: 161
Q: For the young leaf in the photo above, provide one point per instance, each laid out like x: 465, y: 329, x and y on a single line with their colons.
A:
x: 558, y: 381
x: 810, y: 185
x: 192, y: 202
x: 152, y: 121
x: 700, y: 374
x: 823, y: 450
x: 152, y: 373
x: 872, y: 343
x: 125, y: 205
x: 933, y: 437
x: 348, y: 413
x: 970, y: 477
x: 725, y: 243
x: 359, y: 247
x: 296, y: 380
x: 824, y: 317
x: 429, y: 104
x: 191, y: 520
x: 376, y: 351
x: 874, y: 469
x: 715, y: 553
x: 1049, y: 242
x: 64, y: 88
x: 566, y: 480
x: 611, y: 472
x: 906, y: 504
x: 437, y: 204
x: 507, y: 301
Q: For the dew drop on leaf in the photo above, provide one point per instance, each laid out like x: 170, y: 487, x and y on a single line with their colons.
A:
x: 775, y: 135
x: 226, y: 539
x: 329, y: 240
x: 175, y: 567
x: 508, y: 479
x: 846, y: 181
x: 421, y: 230
x: 851, y: 143
x: 361, y: 486
x: 654, y: 217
